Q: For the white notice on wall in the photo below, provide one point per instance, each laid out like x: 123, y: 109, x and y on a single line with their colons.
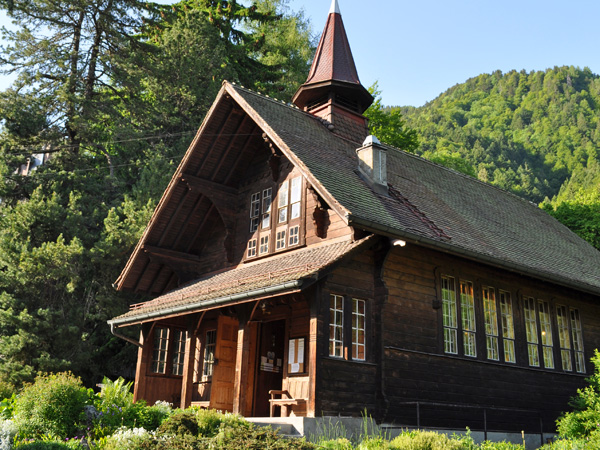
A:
x: 295, y: 368
x: 300, y: 351
x: 292, y: 351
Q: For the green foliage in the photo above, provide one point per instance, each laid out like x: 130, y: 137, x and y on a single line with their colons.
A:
x: 52, y: 445
x: 53, y: 405
x: 388, y: 125
x: 425, y: 440
x: 535, y: 134
x: 583, y: 421
x: 581, y: 218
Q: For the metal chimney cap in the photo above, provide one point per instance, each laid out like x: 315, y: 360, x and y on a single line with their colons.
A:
x: 370, y: 140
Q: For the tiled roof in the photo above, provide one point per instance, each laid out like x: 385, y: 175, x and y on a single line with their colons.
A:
x: 430, y: 203
x: 333, y: 59
x: 280, y: 274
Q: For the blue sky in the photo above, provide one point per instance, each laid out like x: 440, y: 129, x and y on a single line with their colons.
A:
x: 416, y: 50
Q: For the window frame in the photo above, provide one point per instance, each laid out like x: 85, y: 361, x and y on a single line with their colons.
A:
x: 348, y: 327
x: 266, y: 203
x: 167, y: 353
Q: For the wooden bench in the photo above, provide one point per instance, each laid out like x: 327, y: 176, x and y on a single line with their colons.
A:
x: 285, y: 401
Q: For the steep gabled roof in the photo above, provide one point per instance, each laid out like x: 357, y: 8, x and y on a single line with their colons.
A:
x: 427, y: 204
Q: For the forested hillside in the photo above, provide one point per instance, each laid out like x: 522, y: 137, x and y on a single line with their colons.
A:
x: 536, y: 134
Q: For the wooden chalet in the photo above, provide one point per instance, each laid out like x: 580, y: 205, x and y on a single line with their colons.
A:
x: 299, y: 267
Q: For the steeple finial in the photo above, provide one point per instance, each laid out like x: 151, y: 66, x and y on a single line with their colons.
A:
x: 335, y: 8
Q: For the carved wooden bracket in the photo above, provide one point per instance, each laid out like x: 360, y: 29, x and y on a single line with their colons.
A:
x: 275, y: 159
x: 320, y: 216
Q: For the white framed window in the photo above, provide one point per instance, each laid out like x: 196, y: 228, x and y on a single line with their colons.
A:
x: 508, y: 326
x: 251, y: 252
x: 491, y: 322
x: 531, y: 332
x: 467, y: 312
x: 449, y: 315
x: 358, y: 329
x: 282, y: 203
x: 564, y: 340
x: 264, y: 244
x: 266, y: 208
x: 546, y: 334
x: 336, y: 326
x: 159, y: 352
x: 295, y: 198
x: 294, y: 235
x: 179, y: 338
x: 254, y: 211
x: 577, y: 334
x: 280, y: 239
x: 208, y: 359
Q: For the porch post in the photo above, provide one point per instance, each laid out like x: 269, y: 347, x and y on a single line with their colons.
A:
x: 188, y: 368
x: 141, y: 367
x: 240, y: 388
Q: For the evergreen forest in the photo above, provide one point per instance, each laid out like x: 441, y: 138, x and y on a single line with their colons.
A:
x: 113, y: 92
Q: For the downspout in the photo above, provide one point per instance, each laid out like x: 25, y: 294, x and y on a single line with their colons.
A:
x: 113, y: 330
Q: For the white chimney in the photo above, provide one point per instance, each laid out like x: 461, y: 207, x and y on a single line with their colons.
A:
x: 372, y: 164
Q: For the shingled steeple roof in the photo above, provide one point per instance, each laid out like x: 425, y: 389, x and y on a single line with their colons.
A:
x: 333, y: 77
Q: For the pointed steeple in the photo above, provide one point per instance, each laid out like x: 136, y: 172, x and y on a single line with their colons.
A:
x: 333, y: 81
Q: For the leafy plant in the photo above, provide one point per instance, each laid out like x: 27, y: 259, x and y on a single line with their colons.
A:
x: 52, y: 405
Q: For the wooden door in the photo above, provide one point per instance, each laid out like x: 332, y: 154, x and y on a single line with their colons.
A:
x: 221, y: 395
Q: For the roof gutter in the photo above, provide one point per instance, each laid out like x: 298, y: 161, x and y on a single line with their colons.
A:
x: 203, y: 304
x: 428, y: 242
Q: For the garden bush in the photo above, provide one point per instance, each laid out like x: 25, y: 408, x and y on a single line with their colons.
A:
x: 53, y: 405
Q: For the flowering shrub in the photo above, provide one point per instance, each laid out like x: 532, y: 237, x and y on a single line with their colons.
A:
x: 8, y: 430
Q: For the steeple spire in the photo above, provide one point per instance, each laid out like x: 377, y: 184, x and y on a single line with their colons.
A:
x: 333, y: 81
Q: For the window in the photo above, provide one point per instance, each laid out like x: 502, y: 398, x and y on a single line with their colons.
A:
x: 264, y: 244
x: 531, y: 332
x: 358, y: 329
x: 208, y: 360
x: 159, y: 354
x: 349, y: 314
x: 280, y: 241
x: 275, y: 214
x: 491, y: 323
x: 508, y: 327
x: 449, y: 315
x: 283, y: 203
x: 336, y: 325
x: 251, y: 248
x: 294, y: 235
x: 295, y: 198
x: 546, y: 331
x: 254, y: 211
x: 577, y: 341
x: 266, y: 209
x: 564, y: 340
x: 178, y: 352
x: 467, y: 307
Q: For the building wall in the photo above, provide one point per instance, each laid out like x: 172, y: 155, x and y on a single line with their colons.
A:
x: 452, y: 390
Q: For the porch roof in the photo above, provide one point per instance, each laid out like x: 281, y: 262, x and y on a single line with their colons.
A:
x: 285, y: 273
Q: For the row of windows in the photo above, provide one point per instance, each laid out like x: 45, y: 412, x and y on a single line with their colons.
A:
x: 337, y: 320
x: 169, y: 345
x: 497, y: 309
x: 287, y: 234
